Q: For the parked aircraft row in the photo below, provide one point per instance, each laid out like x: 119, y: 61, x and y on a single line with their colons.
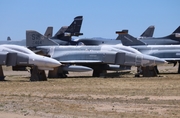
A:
x: 99, y: 55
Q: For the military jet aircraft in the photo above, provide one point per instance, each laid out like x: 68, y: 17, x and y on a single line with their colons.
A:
x: 99, y: 41
x: 172, y: 39
x: 146, y: 37
x: 20, y: 57
x: 170, y: 53
x: 96, y: 57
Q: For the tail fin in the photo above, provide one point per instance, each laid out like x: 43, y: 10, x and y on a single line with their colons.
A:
x: 128, y: 40
x: 177, y: 30
x: 60, y: 33
x: 175, y: 35
x: 75, y: 26
x: 34, y: 38
x: 148, y: 32
x: 49, y: 32
x: 8, y: 38
x: 66, y: 32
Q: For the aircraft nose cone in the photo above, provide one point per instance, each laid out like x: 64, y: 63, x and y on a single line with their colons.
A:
x: 42, y: 61
x: 152, y: 61
x: 159, y: 61
x: 52, y: 62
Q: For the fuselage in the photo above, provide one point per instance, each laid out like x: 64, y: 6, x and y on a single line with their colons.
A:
x: 167, y: 52
x: 148, y: 40
x: 104, y: 54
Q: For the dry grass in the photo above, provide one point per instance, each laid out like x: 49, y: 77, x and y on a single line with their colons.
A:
x: 83, y: 96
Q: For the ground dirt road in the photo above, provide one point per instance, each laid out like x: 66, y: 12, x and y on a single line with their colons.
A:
x: 81, y: 96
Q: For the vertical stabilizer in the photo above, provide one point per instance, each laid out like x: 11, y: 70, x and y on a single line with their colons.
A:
x: 8, y: 38
x: 66, y: 32
x: 49, y: 32
x: 75, y: 26
x: 175, y: 35
x: 177, y: 30
x: 148, y: 32
x: 34, y: 38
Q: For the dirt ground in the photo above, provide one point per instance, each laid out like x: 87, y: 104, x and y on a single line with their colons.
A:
x: 81, y: 96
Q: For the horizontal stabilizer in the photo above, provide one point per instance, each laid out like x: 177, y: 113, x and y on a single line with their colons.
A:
x: 129, y: 40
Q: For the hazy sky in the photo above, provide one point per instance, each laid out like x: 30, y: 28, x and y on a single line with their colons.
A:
x: 101, y: 18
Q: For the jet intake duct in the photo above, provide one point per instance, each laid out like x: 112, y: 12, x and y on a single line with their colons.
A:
x: 22, y: 59
x: 3, y: 58
x: 11, y: 59
x: 126, y: 59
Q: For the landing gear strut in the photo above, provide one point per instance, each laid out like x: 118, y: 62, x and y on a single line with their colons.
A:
x: 179, y: 68
x: 1, y: 74
x: 98, y: 73
x: 149, y: 71
x: 37, y: 75
x: 57, y: 73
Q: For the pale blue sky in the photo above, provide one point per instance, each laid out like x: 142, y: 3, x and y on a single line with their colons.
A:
x: 101, y: 18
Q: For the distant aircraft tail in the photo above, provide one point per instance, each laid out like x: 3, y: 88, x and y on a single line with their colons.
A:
x: 127, y: 39
x: 75, y: 26
x: 148, y: 32
x: 49, y: 31
x: 66, y: 32
x: 34, y: 38
x: 8, y: 38
x: 177, y: 30
x: 175, y: 35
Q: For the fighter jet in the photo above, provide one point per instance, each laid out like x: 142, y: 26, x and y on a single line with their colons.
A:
x: 146, y: 37
x: 20, y: 57
x: 172, y: 39
x: 170, y: 53
x: 99, y: 41
x: 96, y: 57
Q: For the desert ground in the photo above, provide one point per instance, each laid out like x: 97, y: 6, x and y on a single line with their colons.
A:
x: 83, y: 96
